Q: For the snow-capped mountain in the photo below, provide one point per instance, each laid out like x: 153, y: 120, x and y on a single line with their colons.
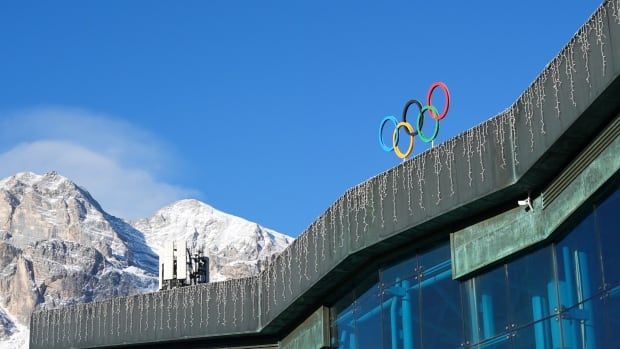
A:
x: 58, y: 246
x: 234, y: 245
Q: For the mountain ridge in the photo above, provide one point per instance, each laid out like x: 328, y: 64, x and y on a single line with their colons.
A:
x: 58, y: 246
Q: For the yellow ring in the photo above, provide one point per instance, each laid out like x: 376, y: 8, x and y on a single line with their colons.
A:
x: 395, y: 139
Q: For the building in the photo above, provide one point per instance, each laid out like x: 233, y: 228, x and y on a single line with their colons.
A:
x: 436, y: 252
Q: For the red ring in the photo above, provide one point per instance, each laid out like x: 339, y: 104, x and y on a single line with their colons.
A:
x: 428, y: 100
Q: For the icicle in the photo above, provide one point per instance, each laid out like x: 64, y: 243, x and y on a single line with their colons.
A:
x: 481, y: 140
x: 35, y: 327
x: 383, y: 178
x: 436, y: 152
x: 281, y: 259
x: 105, y: 318
x: 322, y: 231
x: 355, y: 209
x: 512, y: 122
x: 192, y: 304
x: 243, y: 286
x: 169, y: 308
x: 599, y: 27
x: 298, y: 243
x: 118, y: 317
x: 97, y: 316
x: 254, y: 296
x: 569, y: 69
x: 208, y: 291
x: 127, y: 305
x: 201, y: 303
x: 371, y: 189
x: 468, y: 152
x: 315, y: 238
x: 500, y: 136
x: 557, y: 83
x: 289, y: 257
x: 540, y: 100
x: 146, y: 300
x: 141, y: 313
x: 341, y: 217
x: 53, y: 327
x: 234, y: 299
x: 408, y: 182
x: 582, y: 38
x: 177, y: 306
x: 449, y: 160
x: 184, y: 301
x: 615, y: 5
x: 161, y: 309
x: 365, y: 203
x: 272, y: 267
x: 305, y: 253
x: 394, y: 192
x: 529, y: 114
x: 332, y: 225
x: 224, y: 303
x: 419, y: 162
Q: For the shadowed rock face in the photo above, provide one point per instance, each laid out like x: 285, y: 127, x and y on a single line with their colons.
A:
x: 57, y: 246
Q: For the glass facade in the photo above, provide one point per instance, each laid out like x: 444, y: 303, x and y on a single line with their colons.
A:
x: 562, y: 295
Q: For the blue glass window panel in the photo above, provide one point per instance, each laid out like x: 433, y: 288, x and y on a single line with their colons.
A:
x: 544, y: 334
x: 441, y: 324
x: 612, y: 317
x: 367, y: 312
x: 406, y: 269
x: 503, y: 341
x: 343, y: 322
x: 583, y: 325
x: 391, y: 319
x: 401, y: 316
x: 485, y: 305
x: 579, y: 264
x: 608, y: 226
x: 532, y: 288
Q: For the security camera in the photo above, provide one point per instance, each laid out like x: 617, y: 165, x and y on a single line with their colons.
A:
x: 527, y: 203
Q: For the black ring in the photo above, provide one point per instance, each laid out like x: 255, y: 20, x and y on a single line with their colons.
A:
x: 406, y: 109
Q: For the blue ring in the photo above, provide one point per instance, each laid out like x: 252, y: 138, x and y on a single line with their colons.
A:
x: 385, y: 120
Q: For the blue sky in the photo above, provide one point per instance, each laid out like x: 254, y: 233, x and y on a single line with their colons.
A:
x: 268, y: 110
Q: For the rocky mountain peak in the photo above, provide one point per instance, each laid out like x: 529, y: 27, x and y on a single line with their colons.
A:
x: 235, y: 245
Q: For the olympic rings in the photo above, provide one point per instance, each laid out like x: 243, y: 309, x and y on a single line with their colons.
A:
x: 411, y: 131
x: 429, y: 95
x: 406, y: 109
x: 395, y: 141
x: 420, y: 122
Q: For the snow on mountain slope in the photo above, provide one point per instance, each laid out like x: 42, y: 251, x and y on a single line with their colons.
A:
x: 235, y: 246
x: 14, y: 334
x: 58, y: 246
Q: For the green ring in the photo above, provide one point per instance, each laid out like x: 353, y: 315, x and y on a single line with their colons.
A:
x: 423, y: 138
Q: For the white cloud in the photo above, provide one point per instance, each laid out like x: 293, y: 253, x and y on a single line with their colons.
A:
x: 117, y: 163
